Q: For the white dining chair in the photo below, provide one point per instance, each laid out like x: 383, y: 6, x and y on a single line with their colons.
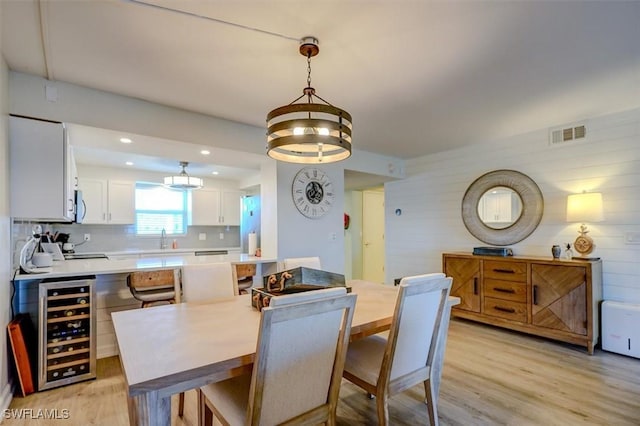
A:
x: 298, y: 365
x: 384, y: 366
x: 203, y: 284
x: 208, y: 282
x: 307, y: 262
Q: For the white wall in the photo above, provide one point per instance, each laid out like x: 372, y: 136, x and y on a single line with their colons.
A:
x: 608, y: 162
x: 90, y: 107
x: 353, y: 235
x: 5, y: 229
x: 299, y: 236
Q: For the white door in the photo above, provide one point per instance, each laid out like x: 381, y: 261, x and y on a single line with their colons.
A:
x: 373, y: 236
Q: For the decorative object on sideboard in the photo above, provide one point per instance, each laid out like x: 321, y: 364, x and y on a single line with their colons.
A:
x: 583, y: 208
x: 502, y: 207
x: 183, y: 181
x: 556, y: 251
x: 493, y: 251
x: 309, y: 132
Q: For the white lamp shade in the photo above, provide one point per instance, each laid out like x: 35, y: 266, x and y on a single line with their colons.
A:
x: 585, y: 207
x: 183, y: 182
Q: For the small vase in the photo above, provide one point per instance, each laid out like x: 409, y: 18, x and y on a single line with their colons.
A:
x: 556, y: 251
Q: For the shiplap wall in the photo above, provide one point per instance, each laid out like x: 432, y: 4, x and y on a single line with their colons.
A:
x: 608, y: 161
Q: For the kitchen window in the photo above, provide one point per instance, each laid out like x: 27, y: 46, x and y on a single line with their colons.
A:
x: 159, y: 208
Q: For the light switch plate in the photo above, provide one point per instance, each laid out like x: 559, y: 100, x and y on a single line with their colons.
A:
x: 202, y: 236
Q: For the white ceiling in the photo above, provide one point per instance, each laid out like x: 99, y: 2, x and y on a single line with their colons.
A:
x: 417, y: 76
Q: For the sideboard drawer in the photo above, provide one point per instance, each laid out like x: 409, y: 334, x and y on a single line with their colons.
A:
x: 505, y: 290
x: 508, y: 271
x: 507, y: 309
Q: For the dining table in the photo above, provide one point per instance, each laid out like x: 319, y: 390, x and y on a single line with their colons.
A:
x: 169, y: 349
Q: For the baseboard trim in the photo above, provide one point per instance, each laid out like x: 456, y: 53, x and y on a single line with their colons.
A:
x: 107, y: 351
x: 6, y: 397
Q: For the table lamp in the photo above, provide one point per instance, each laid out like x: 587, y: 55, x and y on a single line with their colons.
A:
x: 585, y: 207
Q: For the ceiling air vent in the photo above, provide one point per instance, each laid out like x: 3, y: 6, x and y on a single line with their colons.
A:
x: 567, y: 134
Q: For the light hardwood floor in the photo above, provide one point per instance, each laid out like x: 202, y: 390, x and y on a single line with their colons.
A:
x: 491, y: 376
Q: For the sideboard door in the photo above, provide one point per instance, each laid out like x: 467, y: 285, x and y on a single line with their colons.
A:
x: 559, y: 296
x: 466, y: 281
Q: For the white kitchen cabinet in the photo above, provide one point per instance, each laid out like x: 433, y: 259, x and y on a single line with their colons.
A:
x: 231, y: 207
x: 108, y: 201
x: 42, y: 181
x: 495, y: 207
x: 214, y: 207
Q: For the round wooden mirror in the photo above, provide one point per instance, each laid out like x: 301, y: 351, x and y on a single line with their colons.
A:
x: 502, y: 207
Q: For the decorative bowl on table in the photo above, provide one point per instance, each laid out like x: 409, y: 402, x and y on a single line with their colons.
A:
x: 294, y: 281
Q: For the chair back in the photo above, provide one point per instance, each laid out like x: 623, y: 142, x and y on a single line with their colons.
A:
x: 152, y: 280
x: 208, y: 282
x: 300, y: 358
x: 307, y: 262
x: 415, y: 329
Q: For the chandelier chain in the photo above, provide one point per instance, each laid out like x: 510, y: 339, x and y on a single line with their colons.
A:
x: 309, y: 69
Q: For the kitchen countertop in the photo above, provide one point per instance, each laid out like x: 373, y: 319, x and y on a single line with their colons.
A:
x: 168, y: 251
x: 80, y: 267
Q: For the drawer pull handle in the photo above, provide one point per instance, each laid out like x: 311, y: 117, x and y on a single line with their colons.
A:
x: 509, y: 310
x: 535, y: 294
x: 475, y: 285
x: 504, y: 271
x: 504, y: 290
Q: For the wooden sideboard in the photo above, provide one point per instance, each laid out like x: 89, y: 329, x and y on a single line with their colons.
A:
x: 557, y: 299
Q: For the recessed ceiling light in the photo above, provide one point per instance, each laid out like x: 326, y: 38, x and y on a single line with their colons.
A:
x: 129, y: 163
x: 205, y: 152
x: 125, y: 140
x: 214, y: 173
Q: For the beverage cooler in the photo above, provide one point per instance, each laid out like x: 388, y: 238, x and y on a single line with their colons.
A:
x: 67, y: 332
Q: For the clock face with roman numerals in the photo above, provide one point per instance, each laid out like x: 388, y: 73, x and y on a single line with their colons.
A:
x: 312, y: 192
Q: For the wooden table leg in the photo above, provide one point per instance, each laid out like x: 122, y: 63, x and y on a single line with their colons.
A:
x: 149, y: 410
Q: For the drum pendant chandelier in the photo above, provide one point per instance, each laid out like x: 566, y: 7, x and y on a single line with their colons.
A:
x: 308, y: 132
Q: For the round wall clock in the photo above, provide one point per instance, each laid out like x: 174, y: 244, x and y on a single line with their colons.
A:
x: 312, y: 192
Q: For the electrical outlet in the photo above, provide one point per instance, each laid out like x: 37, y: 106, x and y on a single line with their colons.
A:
x: 222, y: 235
x: 202, y: 236
x: 87, y: 237
x: 632, y: 238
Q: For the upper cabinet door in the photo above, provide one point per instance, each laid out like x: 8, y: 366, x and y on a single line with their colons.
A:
x: 122, y: 202
x: 231, y: 207
x: 205, y: 207
x: 39, y: 174
x: 94, y: 194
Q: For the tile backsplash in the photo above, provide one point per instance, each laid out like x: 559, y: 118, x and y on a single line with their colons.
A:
x: 108, y: 238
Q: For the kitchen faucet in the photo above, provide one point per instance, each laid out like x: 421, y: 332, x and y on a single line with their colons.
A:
x: 163, y: 239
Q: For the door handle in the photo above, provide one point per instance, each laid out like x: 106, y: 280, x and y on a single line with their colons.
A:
x: 535, y: 294
x: 475, y: 285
